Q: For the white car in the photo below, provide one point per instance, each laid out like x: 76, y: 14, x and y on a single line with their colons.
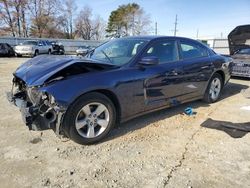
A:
x: 83, y: 50
x: 33, y: 48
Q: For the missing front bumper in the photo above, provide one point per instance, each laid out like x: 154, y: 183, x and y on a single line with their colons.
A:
x: 33, y: 118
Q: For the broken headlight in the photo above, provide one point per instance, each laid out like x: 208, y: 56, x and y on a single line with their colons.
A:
x: 35, y: 95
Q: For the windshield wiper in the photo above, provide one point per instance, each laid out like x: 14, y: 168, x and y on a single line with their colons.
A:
x: 107, y: 56
x: 90, y: 53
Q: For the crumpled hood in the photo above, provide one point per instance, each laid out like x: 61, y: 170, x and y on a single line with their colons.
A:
x: 36, y: 71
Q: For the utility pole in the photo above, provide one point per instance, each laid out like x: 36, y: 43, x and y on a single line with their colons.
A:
x: 175, y: 25
x: 155, y: 28
x: 197, y: 34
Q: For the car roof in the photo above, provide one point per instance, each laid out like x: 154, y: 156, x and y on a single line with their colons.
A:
x: 31, y: 41
x: 152, y: 37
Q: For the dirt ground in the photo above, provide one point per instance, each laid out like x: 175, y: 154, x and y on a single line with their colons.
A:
x: 161, y: 149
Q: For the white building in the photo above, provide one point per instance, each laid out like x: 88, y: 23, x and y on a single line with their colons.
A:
x: 219, y: 45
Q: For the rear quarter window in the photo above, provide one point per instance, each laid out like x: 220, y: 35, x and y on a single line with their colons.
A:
x: 191, y: 50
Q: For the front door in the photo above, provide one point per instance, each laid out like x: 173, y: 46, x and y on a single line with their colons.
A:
x: 163, y: 85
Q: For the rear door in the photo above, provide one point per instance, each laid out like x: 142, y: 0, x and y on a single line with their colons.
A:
x: 197, y: 68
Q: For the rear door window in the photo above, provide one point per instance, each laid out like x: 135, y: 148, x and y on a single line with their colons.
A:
x: 191, y: 50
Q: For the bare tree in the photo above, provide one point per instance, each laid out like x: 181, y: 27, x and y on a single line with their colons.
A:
x: 44, y: 15
x: 12, y: 14
x: 17, y: 15
x: 83, y: 23
x: 140, y: 23
x: 87, y: 27
x: 23, y: 17
x: 49, y: 18
x: 99, y: 28
x: 5, y: 15
x: 70, y: 8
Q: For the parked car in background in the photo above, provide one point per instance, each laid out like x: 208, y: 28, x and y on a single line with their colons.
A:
x: 57, y: 48
x: 239, y: 45
x: 83, y: 50
x: 33, y: 48
x: 6, y: 50
x: 83, y: 98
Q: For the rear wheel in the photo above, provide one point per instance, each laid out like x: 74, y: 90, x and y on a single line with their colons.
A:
x: 90, y: 118
x: 214, y: 88
x: 36, y: 53
x: 49, y: 52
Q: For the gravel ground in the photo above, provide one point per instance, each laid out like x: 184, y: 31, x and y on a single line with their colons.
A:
x: 161, y: 149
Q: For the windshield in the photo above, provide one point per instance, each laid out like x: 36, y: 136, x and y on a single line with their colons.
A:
x: 244, y: 51
x: 118, y: 52
x: 30, y: 43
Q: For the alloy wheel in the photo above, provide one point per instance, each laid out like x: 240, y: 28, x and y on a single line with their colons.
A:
x: 215, y: 88
x: 92, y: 120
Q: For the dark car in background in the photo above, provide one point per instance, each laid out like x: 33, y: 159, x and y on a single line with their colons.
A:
x: 84, y: 98
x: 6, y: 50
x: 57, y: 48
x: 239, y: 46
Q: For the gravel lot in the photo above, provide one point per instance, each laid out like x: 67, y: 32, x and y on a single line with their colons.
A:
x: 161, y: 149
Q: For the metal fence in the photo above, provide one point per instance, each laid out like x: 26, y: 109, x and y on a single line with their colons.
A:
x: 70, y: 45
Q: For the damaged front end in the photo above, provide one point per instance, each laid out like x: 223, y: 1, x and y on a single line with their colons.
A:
x: 39, y: 109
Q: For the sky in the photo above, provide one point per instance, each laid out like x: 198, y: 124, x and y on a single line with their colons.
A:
x: 211, y: 18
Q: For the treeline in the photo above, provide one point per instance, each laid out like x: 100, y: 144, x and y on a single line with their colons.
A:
x: 62, y: 19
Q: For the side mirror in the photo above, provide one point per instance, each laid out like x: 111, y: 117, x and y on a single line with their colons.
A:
x: 150, y: 60
x: 40, y: 44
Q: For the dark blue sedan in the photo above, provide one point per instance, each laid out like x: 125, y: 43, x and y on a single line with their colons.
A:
x: 83, y: 98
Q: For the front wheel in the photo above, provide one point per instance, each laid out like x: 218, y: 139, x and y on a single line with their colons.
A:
x: 90, y: 118
x: 214, y: 88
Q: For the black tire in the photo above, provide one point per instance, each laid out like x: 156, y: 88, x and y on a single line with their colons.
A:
x: 36, y: 53
x: 18, y: 55
x: 207, y: 96
x: 49, y: 52
x: 69, y: 119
